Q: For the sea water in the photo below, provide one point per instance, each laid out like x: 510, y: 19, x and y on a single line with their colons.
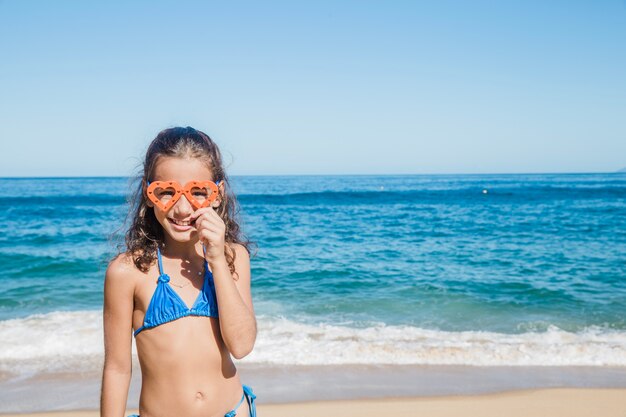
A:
x: 408, y: 269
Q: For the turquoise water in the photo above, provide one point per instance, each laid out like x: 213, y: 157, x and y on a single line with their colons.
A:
x: 420, y: 255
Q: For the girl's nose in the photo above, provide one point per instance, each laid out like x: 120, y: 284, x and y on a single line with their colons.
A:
x: 183, y: 205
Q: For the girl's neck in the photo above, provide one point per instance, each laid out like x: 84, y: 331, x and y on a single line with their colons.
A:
x: 181, y: 250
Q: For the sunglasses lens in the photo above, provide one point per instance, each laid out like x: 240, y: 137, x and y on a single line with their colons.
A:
x: 164, y: 195
x: 200, y: 194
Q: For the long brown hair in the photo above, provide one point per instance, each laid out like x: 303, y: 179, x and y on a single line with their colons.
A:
x: 145, y: 233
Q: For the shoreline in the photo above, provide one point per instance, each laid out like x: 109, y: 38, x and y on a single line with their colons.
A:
x: 556, y: 402
x: 298, y: 384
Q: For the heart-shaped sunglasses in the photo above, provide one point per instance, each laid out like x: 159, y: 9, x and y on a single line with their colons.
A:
x: 164, y: 194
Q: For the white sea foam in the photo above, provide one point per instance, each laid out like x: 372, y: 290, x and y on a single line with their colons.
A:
x: 72, y: 342
x: 288, y: 342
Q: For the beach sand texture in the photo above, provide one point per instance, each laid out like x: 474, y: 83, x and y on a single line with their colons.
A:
x: 557, y: 402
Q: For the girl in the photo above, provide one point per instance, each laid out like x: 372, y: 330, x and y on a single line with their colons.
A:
x: 183, y: 286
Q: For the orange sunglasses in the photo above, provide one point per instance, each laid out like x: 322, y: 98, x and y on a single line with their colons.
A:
x: 164, y: 194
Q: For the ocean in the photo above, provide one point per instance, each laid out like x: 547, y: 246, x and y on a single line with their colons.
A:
x: 496, y: 270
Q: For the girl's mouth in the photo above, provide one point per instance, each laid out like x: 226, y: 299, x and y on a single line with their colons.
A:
x: 180, y: 225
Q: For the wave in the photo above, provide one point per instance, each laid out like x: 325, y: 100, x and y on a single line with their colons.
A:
x: 287, y: 342
x: 72, y: 342
x: 478, y: 194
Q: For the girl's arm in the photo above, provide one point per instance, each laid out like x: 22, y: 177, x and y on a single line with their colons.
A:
x: 234, y: 301
x: 117, y: 321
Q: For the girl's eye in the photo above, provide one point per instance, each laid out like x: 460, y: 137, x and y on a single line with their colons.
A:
x: 199, y: 192
x: 164, y: 195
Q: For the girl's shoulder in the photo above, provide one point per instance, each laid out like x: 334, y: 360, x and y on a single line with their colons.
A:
x: 237, y: 248
x: 239, y: 262
x: 122, y: 268
x: 239, y: 254
x: 123, y: 260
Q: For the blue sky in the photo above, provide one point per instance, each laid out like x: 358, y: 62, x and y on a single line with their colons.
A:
x: 316, y: 88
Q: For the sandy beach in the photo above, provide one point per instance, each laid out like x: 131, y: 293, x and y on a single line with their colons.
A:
x: 367, y: 390
x: 570, y: 402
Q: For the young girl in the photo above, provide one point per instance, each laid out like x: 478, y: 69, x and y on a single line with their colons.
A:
x: 183, y: 286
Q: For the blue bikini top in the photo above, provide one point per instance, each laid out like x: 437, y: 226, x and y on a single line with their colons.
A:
x: 166, y: 305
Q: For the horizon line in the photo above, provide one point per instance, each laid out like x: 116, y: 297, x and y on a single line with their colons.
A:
x: 621, y: 171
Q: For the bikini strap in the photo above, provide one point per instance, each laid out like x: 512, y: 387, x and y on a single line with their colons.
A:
x: 160, y: 262
x: 165, y: 278
x: 233, y: 412
x: 249, y: 396
x: 206, y: 264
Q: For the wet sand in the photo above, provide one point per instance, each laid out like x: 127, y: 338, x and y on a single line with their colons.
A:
x: 556, y: 402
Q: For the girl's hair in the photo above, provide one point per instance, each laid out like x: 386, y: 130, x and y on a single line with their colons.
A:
x: 145, y: 233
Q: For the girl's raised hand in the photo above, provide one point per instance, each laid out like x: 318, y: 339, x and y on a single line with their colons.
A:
x: 211, y: 232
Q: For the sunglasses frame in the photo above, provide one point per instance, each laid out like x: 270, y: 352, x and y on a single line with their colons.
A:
x: 180, y: 190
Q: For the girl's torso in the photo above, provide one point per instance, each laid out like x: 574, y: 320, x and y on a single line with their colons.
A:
x: 185, y: 365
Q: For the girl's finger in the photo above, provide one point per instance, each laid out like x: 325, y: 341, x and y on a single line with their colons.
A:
x: 208, y: 237
x: 208, y: 210
x: 209, y: 223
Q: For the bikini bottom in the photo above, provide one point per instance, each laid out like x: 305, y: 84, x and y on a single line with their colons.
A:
x: 248, y: 395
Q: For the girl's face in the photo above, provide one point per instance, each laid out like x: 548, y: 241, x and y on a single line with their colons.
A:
x: 181, y: 170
